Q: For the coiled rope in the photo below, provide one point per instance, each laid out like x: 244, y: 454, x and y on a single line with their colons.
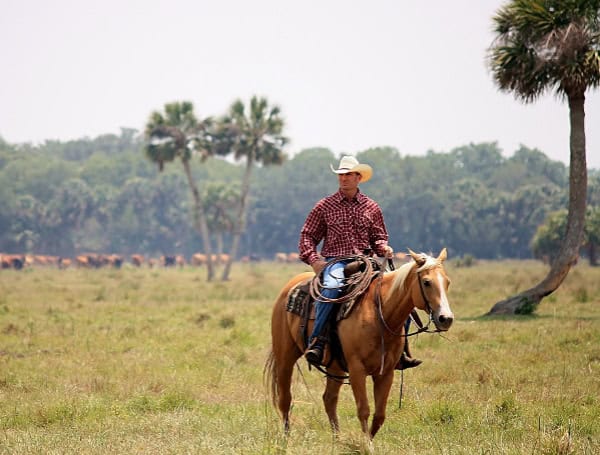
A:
x: 357, y: 283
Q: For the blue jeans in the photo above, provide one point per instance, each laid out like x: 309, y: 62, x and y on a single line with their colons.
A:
x: 333, y: 280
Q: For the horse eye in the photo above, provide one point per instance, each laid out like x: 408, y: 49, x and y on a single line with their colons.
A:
x: 426, y: 283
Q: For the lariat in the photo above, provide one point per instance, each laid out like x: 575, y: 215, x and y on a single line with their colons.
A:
x: 357, y: 283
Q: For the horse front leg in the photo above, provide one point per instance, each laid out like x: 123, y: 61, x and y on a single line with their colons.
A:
x: 381, y: 391
x: 330, y: 399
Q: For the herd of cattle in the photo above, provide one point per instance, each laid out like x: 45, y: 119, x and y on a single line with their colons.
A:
x: 95, y: 260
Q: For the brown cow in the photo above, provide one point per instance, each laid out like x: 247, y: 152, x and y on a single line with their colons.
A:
x: 137, y: 259
x: 293, y: 257
x: 12, y: 261
x: 91, y: 260
x: 82, y: 261
x: 114, y: 260
x: 44, y: 260
x: 198, y: 259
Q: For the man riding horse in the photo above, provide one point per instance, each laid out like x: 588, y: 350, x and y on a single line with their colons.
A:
x: 349, y: 223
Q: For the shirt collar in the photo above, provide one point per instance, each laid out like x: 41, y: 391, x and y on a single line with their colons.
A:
x: 358, y: 197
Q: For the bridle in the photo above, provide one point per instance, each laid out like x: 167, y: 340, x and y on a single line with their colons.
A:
x: 384, y: 324
x: 428, y: 309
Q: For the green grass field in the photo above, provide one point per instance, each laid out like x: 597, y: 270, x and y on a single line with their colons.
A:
x: 161, y: 362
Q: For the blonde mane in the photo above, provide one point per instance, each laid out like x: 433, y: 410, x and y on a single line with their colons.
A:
x: 401, y: 273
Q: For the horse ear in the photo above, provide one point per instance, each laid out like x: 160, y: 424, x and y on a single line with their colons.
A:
x: 418, y: 258
x: 443, y: 255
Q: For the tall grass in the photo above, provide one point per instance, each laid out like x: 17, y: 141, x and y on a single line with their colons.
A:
x: 159, y: 361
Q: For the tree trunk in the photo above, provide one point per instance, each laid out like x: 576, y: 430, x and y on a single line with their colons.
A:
x: 219, y: 240
x: 527, y: 301
x: 200, y: 221
x: 241, y: 219
x: 592, y: 254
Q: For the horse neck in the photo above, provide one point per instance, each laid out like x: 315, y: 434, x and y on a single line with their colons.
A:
x: 398, y: 301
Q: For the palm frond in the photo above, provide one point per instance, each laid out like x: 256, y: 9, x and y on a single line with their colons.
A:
x: 546, y: 44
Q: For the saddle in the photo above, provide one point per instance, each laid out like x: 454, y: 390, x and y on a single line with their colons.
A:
x: 301, y: 303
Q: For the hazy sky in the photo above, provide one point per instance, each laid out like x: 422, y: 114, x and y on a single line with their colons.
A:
x: 347, y: 75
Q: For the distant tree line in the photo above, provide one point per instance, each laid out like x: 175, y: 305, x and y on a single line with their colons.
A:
x: 104, y: 195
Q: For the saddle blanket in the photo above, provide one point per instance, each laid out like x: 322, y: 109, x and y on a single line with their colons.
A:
x: 299, y: 298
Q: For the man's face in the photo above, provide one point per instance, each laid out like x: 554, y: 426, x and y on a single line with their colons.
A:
x: 349, y: 181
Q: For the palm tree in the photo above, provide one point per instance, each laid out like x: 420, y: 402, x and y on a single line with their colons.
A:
x: 593, y: 234
x: 257, y: 137
x: 551, y: 45
x: 176, y: 133
x: 220, y: 201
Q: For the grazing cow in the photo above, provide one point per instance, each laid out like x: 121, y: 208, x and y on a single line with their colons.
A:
x: 96, y: 260
x: 180, y: 260
x: 63, y: 263
x: 82, y: 261
x: 91, y: 260
x: 137, y: 259
x: 12, y: 261
x: 198, y: 259
x: 115, y: 260
x: 167, y: 261
x: 250, y: 258
x: 219, y: 259
x: 293, y: 257
x: 280, y: 257
x: 42, y: 260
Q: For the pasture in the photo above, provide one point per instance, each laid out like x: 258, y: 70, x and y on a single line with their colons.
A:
x: 158, y: 361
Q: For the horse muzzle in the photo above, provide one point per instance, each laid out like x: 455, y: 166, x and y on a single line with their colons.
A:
x: 443, y: 321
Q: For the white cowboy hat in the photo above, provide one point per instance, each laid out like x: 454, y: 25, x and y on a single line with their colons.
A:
x: 351, y: 164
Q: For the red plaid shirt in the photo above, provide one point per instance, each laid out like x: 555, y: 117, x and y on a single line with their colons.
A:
x: 346, y: 226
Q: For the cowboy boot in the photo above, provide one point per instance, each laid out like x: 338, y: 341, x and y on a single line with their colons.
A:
x: 314, y: 353
x: 406, y: 360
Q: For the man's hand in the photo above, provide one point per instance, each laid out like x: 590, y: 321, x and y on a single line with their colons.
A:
x: 388, y: 252
x: 318, y: 266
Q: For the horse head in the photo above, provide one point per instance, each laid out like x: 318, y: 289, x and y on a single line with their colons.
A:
x: 433, y: 288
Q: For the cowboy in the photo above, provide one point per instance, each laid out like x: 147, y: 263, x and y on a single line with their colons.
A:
x: 349, y: 223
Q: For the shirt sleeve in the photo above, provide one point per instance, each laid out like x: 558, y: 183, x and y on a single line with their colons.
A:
x: 312, y: 233
x: 379, y: 236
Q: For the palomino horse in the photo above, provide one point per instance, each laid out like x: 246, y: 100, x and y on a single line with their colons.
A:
x: 372, y: 337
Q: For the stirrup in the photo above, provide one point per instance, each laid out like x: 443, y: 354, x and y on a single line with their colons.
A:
x: 314, y: 356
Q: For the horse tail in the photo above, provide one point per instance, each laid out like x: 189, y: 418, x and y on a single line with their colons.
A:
x: 270, y: 377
